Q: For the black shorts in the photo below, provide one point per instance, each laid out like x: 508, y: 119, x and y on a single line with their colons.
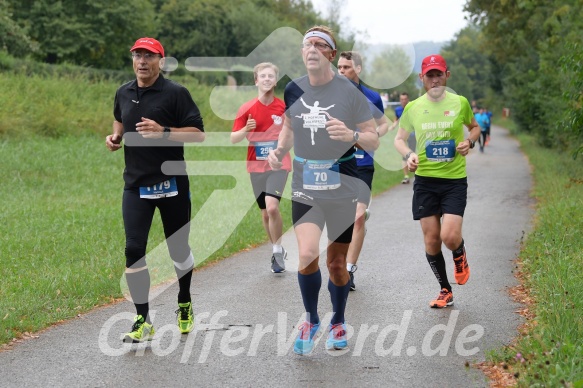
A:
x: 365, y: 174
x: 438, y: 196
x: 270, y: 183
x: 337, y: 214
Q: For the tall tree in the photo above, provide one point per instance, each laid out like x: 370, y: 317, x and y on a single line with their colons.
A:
x: 467, y: 59
x: 392, y: 70
x: 527, y: 40
x: 95, y: 33
x: 13, y: 38
x: 196, y: 28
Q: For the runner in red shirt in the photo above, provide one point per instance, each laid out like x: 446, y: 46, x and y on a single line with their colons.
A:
x: 260, y: 121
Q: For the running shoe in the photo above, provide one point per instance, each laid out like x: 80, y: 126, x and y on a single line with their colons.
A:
x: 141, y: 331
x: 185, y: 317
x: 277, y: 261
x: 444, y: 299
x: 305, y: 341
x: 462, y: 269
x: 337, y: 337
x: 405, y: 180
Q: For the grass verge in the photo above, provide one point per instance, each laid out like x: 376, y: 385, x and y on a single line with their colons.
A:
x: 549, y: 348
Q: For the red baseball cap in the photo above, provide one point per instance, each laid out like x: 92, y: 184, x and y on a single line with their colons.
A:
x: 149, y: 44
x: 431, y: 62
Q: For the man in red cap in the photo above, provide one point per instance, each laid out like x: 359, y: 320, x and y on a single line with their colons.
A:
x: 440, y: 191
x: 155, y: 116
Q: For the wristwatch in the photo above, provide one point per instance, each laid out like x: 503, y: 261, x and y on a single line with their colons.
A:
x: 355, y: 137
x: 167, y: 131
x: 472, y: 143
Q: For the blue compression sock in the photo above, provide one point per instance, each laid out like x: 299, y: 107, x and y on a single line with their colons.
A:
x: 339, y: 296
x: 310, y: 288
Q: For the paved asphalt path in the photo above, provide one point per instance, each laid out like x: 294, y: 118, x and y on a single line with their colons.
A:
x: 247, y: 315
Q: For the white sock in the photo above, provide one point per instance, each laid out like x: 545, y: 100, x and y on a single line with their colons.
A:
x: 349, y: 266
x: 277, y: 248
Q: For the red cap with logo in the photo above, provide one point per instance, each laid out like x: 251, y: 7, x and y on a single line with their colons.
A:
x: 433, y: 62
x: 149, y: 44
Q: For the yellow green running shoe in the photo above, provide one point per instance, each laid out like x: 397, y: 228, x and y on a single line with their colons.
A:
x: 185, y: 317
x: 141, y: 331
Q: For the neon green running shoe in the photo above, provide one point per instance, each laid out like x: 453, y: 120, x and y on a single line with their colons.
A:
x: 185, y: 317
x: 141, y: 331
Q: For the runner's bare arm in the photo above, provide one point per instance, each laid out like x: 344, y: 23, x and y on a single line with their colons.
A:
x: 464, y: 147
x: 382, y: 125
x: 284, y: 144
x: 241, y: 133
x: 113, y: 141
x: 367, y: 137
x: 402, y: 147
x: 150, y: 129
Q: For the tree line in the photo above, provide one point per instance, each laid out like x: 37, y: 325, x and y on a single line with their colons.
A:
x: 98, y: 33
x: 527, y: 54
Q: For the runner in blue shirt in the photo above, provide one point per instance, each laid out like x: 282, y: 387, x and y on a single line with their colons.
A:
x: 350, y: 66
x: 489, y: 114
x: 484, y: 122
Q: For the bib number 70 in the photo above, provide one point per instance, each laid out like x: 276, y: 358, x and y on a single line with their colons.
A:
x: 321, y: 176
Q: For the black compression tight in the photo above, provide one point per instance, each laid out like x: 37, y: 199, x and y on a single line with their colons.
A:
x: 138, y: 214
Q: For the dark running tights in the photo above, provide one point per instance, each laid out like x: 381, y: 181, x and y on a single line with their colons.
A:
x: 138, y: 214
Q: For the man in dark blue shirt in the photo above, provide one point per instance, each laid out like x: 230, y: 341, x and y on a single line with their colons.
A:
x: 350, y: 66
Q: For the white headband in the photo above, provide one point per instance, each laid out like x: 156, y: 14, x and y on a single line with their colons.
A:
x: 319, y: 34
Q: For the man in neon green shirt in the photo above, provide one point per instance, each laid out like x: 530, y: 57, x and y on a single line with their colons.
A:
x: 440, y: 190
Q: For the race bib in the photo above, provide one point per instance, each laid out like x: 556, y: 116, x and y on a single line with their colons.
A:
x: 160, y: 190
x: 440, y: 151
x: 262, y: 149
x: 321, y: 175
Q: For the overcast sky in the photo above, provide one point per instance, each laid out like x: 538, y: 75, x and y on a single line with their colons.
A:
x: 402, y: 21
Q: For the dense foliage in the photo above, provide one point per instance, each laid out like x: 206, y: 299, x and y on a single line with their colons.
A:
x: 534, y: 48
x: 98, y: 33
x: 470, y: 66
